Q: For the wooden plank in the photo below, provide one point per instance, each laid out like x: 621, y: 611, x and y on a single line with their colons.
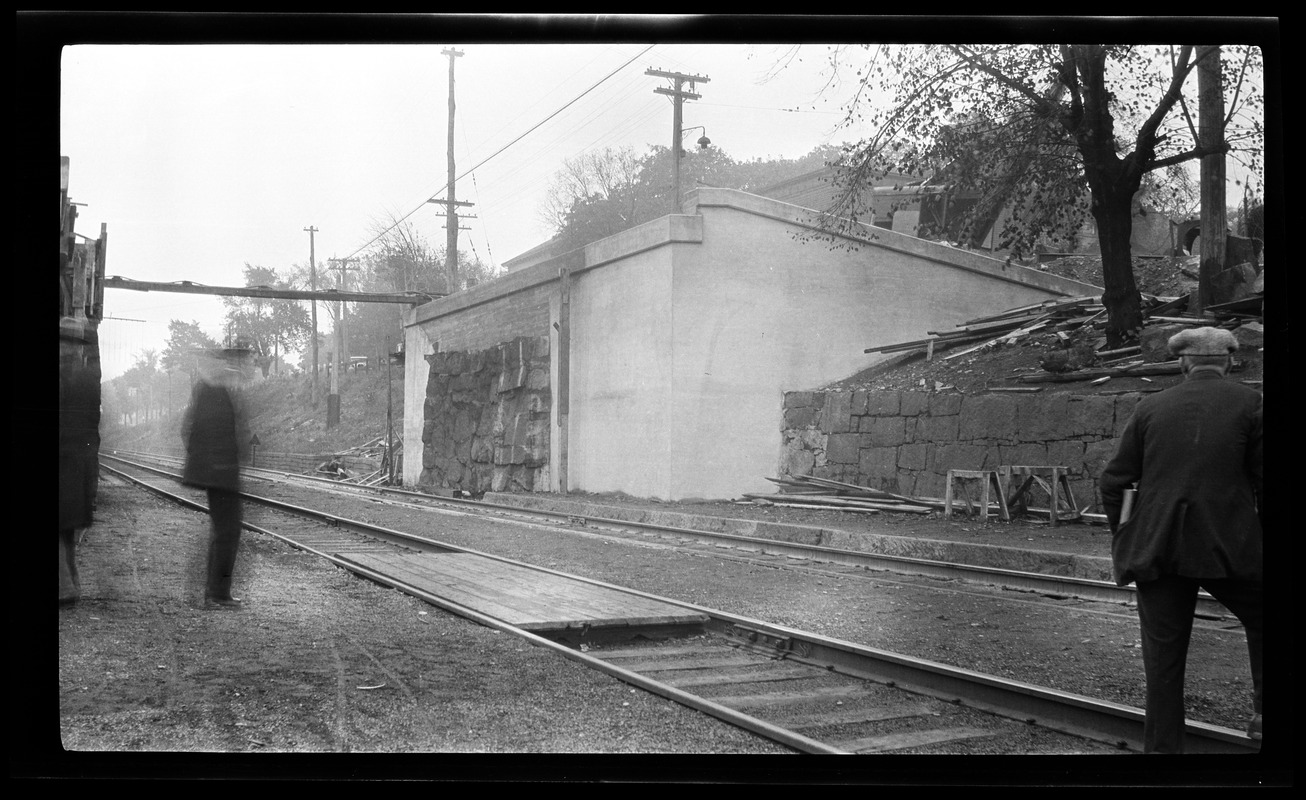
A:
x: 857, y: 716
x: 773, y: 699
x: 663, y: 665
x: 723, y: 677
x: 902, y: 741
x: 522, y: 596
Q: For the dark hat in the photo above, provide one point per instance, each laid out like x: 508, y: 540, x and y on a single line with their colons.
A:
x: 1203, y: 342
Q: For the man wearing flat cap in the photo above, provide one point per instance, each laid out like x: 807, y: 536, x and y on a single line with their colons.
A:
x: 215, y: 433
x: 1194, y: 454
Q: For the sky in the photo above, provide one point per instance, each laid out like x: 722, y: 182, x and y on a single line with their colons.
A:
x: 201, y: 159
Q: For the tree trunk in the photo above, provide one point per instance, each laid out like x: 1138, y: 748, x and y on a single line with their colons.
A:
x: 1112, y: 211
x: 1211, y: 133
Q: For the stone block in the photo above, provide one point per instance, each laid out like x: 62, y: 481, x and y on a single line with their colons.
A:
x: 509, y: 454
x: 943, y: 404
x: 882, y: 404
x: 878, y: 462
x: 1040, y: 417
x: 858, y: 407
x: 1026, y: 454
x: 797, y: 461
x: 884, y: 432
x: 930, y: 484
x: 938, y: 430
x: 543, y: 479
x: 482, y: 450
x: 841, y: 448
x: 1068, y: 453
x: 913, y: 404
x: 837, y: 414
x: 464, y: 425
x: 959, y: 456
x: 987, y: 417
x: 538, y: 378
x: 913, y: 456
x: 1090, y: 415
x: 1125, y: 405
x: 1097, y: 454
x: 804, y: 400
x: 799, y: 417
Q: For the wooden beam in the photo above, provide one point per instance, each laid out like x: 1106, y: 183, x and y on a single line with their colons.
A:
x: 188, y: 287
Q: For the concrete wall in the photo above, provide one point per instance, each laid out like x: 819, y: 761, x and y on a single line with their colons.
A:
x: 905, y: 442
x: 687, y: 331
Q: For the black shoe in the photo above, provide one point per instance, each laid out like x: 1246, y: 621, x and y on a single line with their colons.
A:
x: 225, y: 602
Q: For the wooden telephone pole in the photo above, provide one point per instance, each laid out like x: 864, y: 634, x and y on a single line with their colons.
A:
x: 312, y: 284
x: 341, y: 354
x: 678, y: 97
x: 451, y: 203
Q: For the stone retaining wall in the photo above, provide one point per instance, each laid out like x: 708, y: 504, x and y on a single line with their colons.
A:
x: 905, y: 442
x: 486, y: 418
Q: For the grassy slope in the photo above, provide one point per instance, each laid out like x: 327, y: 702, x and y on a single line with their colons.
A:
x: 283, y: 418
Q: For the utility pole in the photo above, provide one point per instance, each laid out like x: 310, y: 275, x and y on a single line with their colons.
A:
x: 312, y: 284
x: 1210, y: 103
x: 451, y: 203
x: 678, y: 97
x: 341, y: 354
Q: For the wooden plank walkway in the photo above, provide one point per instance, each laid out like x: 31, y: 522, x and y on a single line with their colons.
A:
x: 522, y: 597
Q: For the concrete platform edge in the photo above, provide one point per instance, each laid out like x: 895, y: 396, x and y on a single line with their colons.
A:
x: 980, y: 555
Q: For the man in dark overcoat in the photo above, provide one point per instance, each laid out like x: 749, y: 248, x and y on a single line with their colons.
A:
x: 214, y: 432
x: 1194, y: 452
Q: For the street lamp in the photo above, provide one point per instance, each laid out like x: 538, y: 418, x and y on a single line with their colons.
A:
x: 703, y: 141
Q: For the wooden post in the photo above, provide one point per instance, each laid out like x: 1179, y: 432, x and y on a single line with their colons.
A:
x: 564, y: 372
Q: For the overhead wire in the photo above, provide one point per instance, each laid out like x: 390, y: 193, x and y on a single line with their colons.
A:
x: 505, y: 147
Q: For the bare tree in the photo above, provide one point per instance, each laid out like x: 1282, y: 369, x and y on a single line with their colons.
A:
x: 1029, y: 127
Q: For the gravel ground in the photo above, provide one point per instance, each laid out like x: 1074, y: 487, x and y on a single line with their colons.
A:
x: 321, y: 662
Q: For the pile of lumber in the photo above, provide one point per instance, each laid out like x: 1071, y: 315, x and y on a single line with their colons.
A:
x: 1051, y: 315
x: 807, y: 491
x: 1061, y: 317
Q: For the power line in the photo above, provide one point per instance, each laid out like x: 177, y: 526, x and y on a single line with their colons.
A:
x: 506, y: 146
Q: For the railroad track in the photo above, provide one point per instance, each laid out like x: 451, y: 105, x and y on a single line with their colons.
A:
x: 1040, y: 584
x: 804, y: 690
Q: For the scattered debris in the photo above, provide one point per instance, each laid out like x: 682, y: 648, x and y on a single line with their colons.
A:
x: 808, y: 491
x: 1077, y: 324
x: 375, y: 449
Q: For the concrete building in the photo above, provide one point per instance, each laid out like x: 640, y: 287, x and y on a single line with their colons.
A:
x: 684, y: 334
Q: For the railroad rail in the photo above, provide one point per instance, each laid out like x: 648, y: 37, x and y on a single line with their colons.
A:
x: 807, y: 691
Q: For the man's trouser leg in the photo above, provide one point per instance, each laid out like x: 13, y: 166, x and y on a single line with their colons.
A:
x: 1247, y: 602
x: 69, y: 584
x: 224, y: 509
x: 1165, y: 615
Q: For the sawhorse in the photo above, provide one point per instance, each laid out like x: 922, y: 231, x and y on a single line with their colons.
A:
x: 989, y: 480
x: 1056, y: 483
